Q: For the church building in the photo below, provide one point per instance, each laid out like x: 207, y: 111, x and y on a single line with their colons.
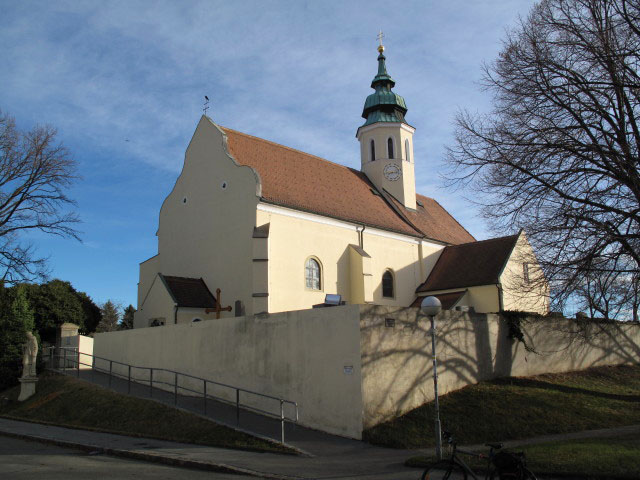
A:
x: 275, y: 229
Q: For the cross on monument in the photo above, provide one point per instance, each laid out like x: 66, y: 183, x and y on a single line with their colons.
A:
x: 380, y: 37
x: 218, y: 308
x: 206, y: 104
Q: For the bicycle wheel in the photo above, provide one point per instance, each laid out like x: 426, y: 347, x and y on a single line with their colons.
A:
x: 444, y: 470
x: 528, y: 475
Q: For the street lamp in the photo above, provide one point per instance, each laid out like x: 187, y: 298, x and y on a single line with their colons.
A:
x: 431, y: 307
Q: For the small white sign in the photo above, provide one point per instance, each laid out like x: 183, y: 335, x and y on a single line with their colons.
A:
x: 348, y: 369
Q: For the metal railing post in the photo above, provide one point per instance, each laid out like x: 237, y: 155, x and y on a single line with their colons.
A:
x: 51, y: 357
x: 78, y: 363
x: 110, y: 371
x: 204, y: 395
x: 93, y: 367
x: 64, y: 360
x: 151, y: 383
x: 237, y: 406
x: 282, y: 420
x: 129, y: 381
x: 175, y: 388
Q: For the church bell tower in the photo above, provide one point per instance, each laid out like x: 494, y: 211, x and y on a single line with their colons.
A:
x: 386, y: 139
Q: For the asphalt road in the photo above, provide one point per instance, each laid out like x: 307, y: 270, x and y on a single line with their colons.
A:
x: 25, y: 460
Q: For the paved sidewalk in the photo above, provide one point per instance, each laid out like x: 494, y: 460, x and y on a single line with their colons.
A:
x: 366, y: 461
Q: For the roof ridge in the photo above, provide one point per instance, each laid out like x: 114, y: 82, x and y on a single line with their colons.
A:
x: 483, y: 241
x: 285, y: 147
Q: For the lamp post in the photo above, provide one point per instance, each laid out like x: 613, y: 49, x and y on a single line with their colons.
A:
x: 431, y: 306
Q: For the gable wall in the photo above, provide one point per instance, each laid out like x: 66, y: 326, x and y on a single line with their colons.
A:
x: 210, y: 235
x: 156, y: 303
x: 532, y: 296
x: 294, y: 237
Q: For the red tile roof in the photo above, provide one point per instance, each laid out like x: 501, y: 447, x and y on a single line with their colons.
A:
x: 448, y: 300
x: 470, y: 264
x: 189, y: 292
x: 298, y: 180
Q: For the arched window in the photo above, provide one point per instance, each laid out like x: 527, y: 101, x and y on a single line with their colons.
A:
x: 313, y: 274
x: 406, y: 149
x: 390, y: 147
x: 387, y: 284
x: 372, y: 149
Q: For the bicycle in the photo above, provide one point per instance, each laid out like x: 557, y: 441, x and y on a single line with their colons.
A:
x: 501, y: 465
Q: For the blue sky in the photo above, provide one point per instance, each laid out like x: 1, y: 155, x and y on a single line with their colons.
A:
x: 124, y: 81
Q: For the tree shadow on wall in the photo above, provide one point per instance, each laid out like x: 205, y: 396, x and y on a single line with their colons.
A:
x: 397, y: 364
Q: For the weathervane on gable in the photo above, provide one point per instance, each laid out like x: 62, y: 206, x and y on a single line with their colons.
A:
x: 380, y: 37
x: 206, y: 105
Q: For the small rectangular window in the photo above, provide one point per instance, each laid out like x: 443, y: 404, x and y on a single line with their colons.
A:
x: 525, y: 272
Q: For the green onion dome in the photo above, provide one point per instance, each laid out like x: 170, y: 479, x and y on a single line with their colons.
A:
x: 383, y: 105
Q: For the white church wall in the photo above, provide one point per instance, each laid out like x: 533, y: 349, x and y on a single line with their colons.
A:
x: 311, y: 357
x: 518, y: 293
x: 148, y: 271
x: 404, y: 188
x: 295, y: 236
x: 156, y: 304
x: 206, y: 222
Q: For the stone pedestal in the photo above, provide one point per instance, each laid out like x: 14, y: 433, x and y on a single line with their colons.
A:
x: 27, y: 387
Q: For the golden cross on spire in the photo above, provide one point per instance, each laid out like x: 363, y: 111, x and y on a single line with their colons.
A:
x: 379, y: 37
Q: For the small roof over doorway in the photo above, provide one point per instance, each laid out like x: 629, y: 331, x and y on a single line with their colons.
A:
x: 189, y: 292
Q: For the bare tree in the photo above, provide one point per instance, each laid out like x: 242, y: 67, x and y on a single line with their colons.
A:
x: 35, y: 172
x: 558, y: 155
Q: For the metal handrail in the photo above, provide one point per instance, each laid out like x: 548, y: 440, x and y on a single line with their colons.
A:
x: 75, y: 360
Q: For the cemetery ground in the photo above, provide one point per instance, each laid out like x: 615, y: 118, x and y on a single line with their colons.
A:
x: 523, y: 411
x: 522, y: 408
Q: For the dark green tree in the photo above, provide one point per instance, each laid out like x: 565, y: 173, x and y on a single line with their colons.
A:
x: 92, y: 313
x: 55, y: 303
x: 16, y: 319
x: 110, y: 317
x: 127, y: 318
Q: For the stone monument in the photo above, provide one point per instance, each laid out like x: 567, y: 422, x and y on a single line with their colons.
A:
x: 29, y: 376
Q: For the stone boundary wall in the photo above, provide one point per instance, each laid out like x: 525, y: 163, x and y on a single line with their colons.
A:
x: 349, y: 368
x: 309, y: 356
x: 397, y: 365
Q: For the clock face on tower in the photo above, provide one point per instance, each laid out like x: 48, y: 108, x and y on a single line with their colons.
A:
x: 392, y: 172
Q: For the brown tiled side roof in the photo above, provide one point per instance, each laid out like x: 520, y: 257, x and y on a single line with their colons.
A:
x: 189, y: 292
x: 448, y: 300
x: 301, y: 181
x: 434, y: 221
x: 470, y: 264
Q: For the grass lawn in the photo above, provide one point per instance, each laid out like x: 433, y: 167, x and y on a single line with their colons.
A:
x: 600, y: 458
x: 66, y: 401
x: 516, y: 408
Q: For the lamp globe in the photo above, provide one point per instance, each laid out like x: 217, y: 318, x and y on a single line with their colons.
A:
x: 431, y: 306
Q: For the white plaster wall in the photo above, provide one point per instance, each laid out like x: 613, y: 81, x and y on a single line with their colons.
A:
x: 397, y: 371
x: 300, y: 356
x: 149, y: 269
x: 206, y: 222
x: 294, y: 238
x: 404, y: 189
x: 84, y: 347
x: 532, y: 296
x: 157, y: 303
x: 483, y: 298
x: 85, y: 350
